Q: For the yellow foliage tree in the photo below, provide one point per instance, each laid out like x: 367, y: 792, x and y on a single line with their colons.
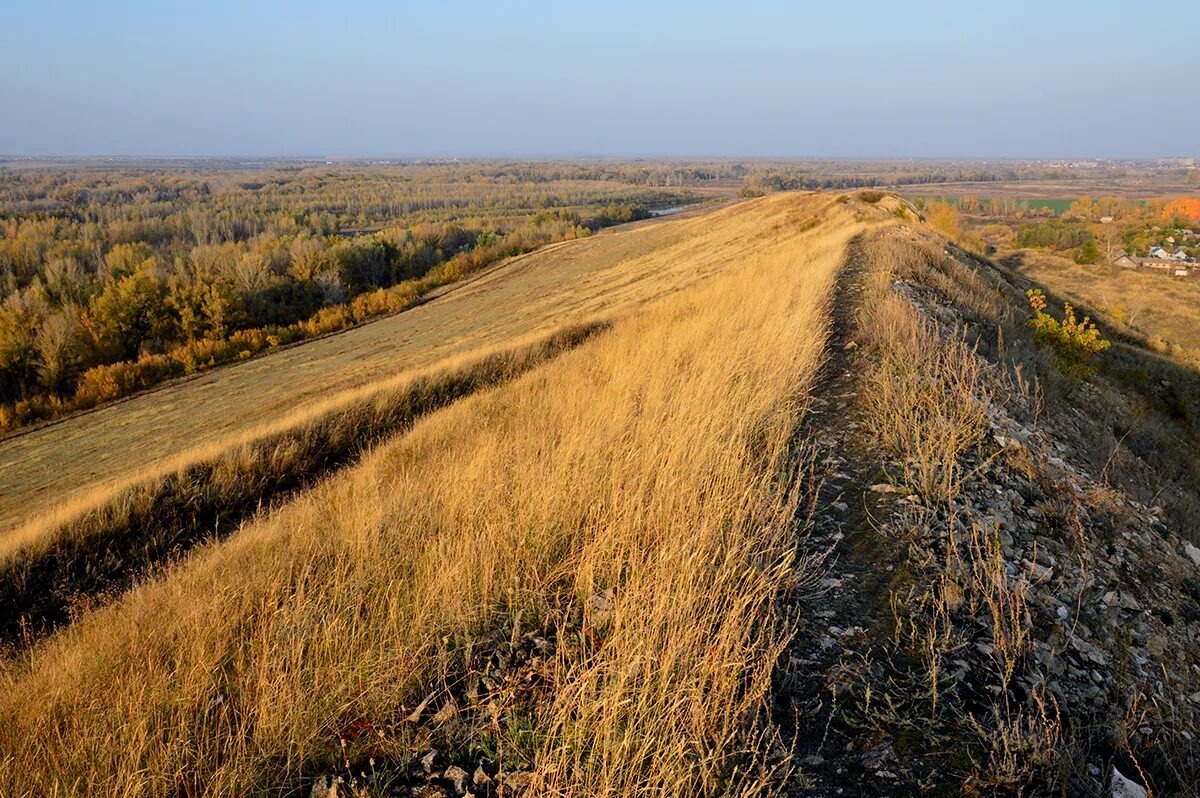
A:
x: 1183, y: 207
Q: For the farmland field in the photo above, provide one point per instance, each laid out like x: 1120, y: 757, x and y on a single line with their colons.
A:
x: 1058, y: 194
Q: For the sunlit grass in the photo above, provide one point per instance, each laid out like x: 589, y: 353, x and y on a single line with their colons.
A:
x: 654, y: 461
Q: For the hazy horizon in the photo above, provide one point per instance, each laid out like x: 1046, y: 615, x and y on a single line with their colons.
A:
x: 369, y: 80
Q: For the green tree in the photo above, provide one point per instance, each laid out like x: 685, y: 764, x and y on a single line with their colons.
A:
x: 57, y: 345
x: 125, y: 259
x: 64, y: 282
x: 128, y: 313
x: 1088, y: 252
x: 20, y: 316
x: 207, y: 308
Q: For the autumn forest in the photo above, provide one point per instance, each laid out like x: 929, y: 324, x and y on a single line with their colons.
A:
x: 114, y: 281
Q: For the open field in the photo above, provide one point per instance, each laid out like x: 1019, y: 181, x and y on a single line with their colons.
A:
x: 631, y: 504
x: 1146, y: 186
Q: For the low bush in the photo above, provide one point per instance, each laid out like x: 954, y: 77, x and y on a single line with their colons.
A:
x: 1075, y: 342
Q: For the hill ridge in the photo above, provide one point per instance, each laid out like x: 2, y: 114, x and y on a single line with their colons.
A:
x: 1022, y: 613
x: 827, y: 521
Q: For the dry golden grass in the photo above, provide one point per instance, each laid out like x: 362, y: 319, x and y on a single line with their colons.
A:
x: 51, y: 567
x: 41, y: 530
x: 655, y: 461
x: 927, y: 394
x: 530, y: 295
x: 927, y: 401
x: 930, y: 398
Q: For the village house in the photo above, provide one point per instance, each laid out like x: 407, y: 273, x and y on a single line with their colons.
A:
x: 1165, y: 263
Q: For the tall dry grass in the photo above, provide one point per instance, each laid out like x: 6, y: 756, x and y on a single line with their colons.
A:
x: 653, y: 465
x: 104, y: 547
x: 931, y: 399
x: 928, y: 393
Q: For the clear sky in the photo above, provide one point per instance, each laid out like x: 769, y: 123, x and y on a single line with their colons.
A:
x: 1055, y: 78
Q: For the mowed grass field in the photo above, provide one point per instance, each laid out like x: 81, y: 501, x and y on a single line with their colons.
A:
x: 47, y: 469
x: 656, y: 465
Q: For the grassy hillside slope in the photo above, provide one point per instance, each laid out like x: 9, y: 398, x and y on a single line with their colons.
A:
x: 829, y: 521
x: 621, y: 520
x: 528, y: 295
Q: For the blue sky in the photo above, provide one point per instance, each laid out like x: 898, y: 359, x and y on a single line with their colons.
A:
x: 439, y: 78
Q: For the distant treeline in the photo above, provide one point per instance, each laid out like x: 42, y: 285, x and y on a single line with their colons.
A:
x: 767, y: 182
x: 1073, y: 227
x: 112, y: 282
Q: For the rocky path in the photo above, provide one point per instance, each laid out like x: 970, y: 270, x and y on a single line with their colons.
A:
x: 835, y: 630
x: 1102, y: 691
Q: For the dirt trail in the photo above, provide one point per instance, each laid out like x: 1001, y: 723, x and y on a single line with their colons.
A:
x: 860, y: 562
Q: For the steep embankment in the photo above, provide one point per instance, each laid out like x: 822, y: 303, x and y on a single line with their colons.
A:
x: 190, y: 462
x: 1001, y: 616
x: 70, y: 463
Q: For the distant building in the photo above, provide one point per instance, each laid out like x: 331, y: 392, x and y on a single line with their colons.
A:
x: 1159, y: 252
x: 1168, y: 264
x: 1179, y: 254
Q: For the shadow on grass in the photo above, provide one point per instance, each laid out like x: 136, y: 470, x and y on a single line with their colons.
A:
x: 105, y: 550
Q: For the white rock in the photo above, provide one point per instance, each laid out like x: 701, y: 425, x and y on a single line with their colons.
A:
x: 458, y: 777
x: 1192, y: 552
x: 325, y: 787
x: 1123, y: 787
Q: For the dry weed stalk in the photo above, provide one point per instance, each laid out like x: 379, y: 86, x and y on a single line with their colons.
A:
x: 1022, y: 746
x: 1004, y: 598
x: 928, y: 396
